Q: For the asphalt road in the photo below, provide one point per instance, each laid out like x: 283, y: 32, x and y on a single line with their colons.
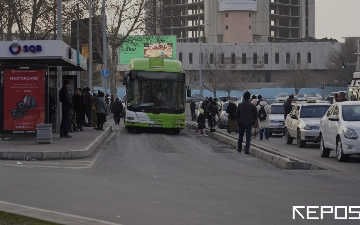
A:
x: 155, y: 178
x: 311, y: 153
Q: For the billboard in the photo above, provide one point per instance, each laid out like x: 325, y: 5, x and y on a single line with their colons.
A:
x: 246, y: 5
x: 147, y: 47
x: 24, y: 100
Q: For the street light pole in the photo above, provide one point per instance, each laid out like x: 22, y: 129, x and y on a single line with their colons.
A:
x: 358, y: 56
x: 90, y: 46
x: 77, y: 44
x: 59, y: 68
x: 200, y: 70
x: 105, y: 80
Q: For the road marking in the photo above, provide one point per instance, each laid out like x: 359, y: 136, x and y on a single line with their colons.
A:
x: 49, y: 215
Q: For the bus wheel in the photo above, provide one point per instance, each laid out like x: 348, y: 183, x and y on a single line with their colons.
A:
x: 129, y: 129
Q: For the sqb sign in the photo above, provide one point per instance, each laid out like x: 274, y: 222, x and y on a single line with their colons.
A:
x: 15, y: 48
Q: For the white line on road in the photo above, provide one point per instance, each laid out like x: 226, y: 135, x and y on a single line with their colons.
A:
x: 49, y: 215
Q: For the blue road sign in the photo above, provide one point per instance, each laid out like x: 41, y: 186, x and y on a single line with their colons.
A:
x: 105, y: 73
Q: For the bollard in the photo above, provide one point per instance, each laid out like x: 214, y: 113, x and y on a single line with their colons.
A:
x: 44, y: 133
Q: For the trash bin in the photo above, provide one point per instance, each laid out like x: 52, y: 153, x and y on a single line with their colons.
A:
x: 44, y: 133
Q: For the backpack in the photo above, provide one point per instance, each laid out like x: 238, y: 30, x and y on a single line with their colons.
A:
x: 262, y: 113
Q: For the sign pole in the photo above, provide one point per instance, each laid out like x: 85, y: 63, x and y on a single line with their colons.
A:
x: 77, y: 45
x: 59, y: 69
x: 105, y: 80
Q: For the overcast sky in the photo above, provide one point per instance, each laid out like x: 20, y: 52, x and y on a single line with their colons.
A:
x: 337, y: 18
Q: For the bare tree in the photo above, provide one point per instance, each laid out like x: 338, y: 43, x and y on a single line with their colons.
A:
x: 213, y: 63
x: 345, y: 53
x: 297, y: 75
x: 230, y: 81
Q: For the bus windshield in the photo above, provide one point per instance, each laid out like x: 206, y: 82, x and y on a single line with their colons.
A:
x: 158, y: 95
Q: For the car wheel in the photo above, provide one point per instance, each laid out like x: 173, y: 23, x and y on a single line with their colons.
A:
x: 300, y: 143
x: 324, y: 152
x: 289, y: 139
x: 339, y: 152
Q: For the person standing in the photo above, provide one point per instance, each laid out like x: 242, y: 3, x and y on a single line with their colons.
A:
x: 93, y: 110
x: 116, y: 108
x: 246, y: 115
x: 79, y: 108
x: 201, y: 123
x: 87, y: 99
x: 212, y: 109
x: 100, y: 111
x: 192, y: 109
x: 287, y: 108
x: 342, y: 97
x: 255, y: 126
x: 336, y: 97
x: 264, y: 111
x: 65, y: 100
x: 232, y: 123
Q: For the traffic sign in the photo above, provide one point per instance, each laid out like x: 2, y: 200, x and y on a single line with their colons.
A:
x: 105, y: 73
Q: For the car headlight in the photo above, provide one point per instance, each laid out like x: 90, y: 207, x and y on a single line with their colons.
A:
x: 349, y: 133
x: 307, y: 127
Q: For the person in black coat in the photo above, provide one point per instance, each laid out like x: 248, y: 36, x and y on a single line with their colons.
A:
x: 201, y: 123
x: 192, y: 109
x: 87, y: 100
x: 79, y: 108
x: 65, y: 100
x: 116, y: 108
x: 246, y: 115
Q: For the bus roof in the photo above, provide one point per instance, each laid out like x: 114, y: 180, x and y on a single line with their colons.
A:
x: 156, y: 64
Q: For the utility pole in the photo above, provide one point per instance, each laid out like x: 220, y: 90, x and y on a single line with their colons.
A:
x: 105, y: 79
x: 59, y: 68
x: 200, y: 69
x: 90, y: 46
x: 358, y: 56
x: 77, y: 44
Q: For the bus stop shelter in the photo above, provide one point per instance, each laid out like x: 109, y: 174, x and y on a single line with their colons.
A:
x: 24, y: 82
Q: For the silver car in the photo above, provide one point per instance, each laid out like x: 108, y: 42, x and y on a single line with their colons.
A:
x: 281, y: 97
x: 276, y: 119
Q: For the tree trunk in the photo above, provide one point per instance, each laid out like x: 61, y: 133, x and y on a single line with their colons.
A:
x: 112, y: 76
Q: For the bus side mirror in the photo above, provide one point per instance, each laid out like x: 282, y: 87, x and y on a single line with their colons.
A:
x: 188, y: 93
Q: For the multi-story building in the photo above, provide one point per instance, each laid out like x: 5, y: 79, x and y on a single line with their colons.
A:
x: 236, y: 21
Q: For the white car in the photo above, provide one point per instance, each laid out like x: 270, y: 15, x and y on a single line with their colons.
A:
x: 281, y: 97
x: 314, y: 96
x: 301, y: 97
x: 303, y: 122
x: 222, y: 117
x: 339, y: 129
x: 276, y: 119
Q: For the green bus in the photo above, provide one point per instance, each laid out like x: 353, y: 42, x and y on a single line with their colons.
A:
x: 155, y: 94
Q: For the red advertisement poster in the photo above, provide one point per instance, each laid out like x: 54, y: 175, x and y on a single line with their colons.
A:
x: 24, y: 99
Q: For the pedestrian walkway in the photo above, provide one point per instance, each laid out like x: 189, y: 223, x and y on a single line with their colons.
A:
x: 81, y: 145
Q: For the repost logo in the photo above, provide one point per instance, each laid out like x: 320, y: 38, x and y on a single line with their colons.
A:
x: 319, y: 212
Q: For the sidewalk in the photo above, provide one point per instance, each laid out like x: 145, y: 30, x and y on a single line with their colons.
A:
x: 83, y: 144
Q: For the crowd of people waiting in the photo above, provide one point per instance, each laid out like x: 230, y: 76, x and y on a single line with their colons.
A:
x: 83, y: 109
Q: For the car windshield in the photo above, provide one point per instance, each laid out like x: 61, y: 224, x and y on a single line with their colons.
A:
x: 351, y: 112
x: 313, y: 111
x: 224, y: 106
x: 281, y: 95
x: 277, y: 109
x: 312, y: 95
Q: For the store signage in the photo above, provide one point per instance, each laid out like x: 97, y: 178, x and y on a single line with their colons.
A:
x: 15, y: 48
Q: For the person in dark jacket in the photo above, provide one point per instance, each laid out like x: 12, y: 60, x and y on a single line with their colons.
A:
x: 79, y: 108
x: 116, y: 108
x: 87, y: 99
x: 65, y: 99
x: 259, y: 100
x: 288, y: 106
x: 342, y: 97
x: 212, y: 109
x: 232, y: 123
x: 201, y: 123
x: 192, y: 109
x: 204, y: 104
x: 246, y: 115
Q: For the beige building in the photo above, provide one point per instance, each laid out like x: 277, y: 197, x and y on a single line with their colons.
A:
x: 237, y: 21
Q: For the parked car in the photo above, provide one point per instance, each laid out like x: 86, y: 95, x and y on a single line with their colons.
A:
x: 227, y: 98
x: 330, y: 96
x: 276, y: 119
x: 281, y: 97
x: 339, y: 129
x: 303, y: 122
x: 222, y: 117
x: 301, y: 97
x: 314, y: 96
x: 195, y: 98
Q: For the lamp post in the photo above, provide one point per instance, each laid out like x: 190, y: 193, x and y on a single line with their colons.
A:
x: 59, y: 68
x: 90, y: 46
x: 77, y: 44
x: 104, y: 79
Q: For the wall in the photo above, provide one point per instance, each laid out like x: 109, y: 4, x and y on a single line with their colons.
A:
x: 237, y: 32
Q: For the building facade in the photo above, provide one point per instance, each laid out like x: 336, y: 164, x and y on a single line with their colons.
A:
x: 258, y: 64
x: 213, y: 22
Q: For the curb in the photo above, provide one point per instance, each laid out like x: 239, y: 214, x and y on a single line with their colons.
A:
x: 88, y: 150
x: 277, y: 159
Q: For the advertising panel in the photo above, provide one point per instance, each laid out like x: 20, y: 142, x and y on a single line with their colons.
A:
x: 245, y: 5
x: 24, y: 100
x: 147, y: 47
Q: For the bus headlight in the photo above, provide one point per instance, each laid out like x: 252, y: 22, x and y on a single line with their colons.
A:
x: 181, y: 121
x: 130, y: 118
